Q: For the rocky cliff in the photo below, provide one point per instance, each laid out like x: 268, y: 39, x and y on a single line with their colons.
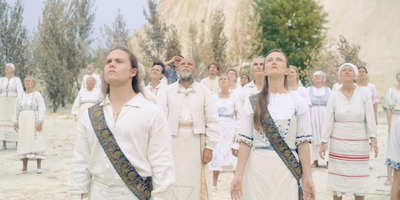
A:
x: 372, y: 24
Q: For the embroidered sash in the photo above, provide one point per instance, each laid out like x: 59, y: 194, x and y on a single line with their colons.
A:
x: 279, y: 145
x: 141, y: 188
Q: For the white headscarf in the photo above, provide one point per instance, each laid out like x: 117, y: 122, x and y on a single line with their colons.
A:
x: 355, y: 69
x: 319, y: 72
x: 11, y: 65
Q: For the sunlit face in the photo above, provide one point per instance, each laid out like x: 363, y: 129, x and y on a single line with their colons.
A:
x: 258, y: 66
x: 176, y: 62
x: 213, y: 70
x: 117, y: 69
x: 276, y: 65
x: 187, y: 69
x: 156, y: 72
x: 232, y: 76
x: 9, y: 70
x: 362, y: 73
x: 244, y: 80
x: 90, y: 82
x: 223, y: 81
x: 347, y: 73
x: 29, y: 83
x: 318, y: 78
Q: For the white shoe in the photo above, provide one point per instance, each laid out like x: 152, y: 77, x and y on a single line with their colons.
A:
x: 2, y: 148
x: 214, y: 188
x: 22, y: 172
x: 39, y: 171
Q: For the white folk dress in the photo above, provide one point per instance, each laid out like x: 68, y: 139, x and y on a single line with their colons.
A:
x: 223, y: 160
x: 348, y: 126
x: 319, y: 99
x: 84, y: 100
x: 212, y: 84
x: 10, y: 90
x: 393, y: 151
x: 30, y: 110
x: 266, y: 176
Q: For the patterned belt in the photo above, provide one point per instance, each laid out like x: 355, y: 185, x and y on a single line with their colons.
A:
x: 185, y: 125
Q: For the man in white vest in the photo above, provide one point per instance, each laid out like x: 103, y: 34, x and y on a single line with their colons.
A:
x: 212, y: 80
x: 193, y: 120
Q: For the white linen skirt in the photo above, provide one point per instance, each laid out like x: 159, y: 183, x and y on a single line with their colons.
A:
x: 7, y: 110
x: 266, y: 177
x: 348, y: 170
x: 31, y: 143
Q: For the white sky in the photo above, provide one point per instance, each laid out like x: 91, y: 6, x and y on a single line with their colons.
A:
x: 105, y: 13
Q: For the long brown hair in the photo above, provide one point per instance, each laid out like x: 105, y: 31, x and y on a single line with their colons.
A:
x: 263, y: 97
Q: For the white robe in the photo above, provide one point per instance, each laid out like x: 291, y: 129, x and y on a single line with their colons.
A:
x: 348, y: 126
x: 211, y: 84
x: 142, y: 133
x: 10, y: 90
x: 84, y: 100
x: 29, y: 111
x: 193, y: 105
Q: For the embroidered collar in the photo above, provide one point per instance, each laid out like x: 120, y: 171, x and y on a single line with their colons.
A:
x: 186, y: 92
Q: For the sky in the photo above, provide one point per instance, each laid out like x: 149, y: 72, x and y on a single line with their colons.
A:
x: 105, y: 13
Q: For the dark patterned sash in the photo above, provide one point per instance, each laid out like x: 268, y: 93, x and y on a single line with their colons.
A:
x: 279, y: 145
x: 141, y: 188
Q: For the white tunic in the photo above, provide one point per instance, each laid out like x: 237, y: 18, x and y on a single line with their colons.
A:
x: 85, y: 99
x: 142, y: 133
x: 266, y: 176
x: 10, y: 89
x: 212, y: 84
x: 348, y: 126
x: 96, y: 77
x: 190, y: 106
x: 392, y: 102
x: 29, y: 111
x: 158, y: 91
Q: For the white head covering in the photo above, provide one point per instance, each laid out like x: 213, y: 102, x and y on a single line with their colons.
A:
x: 355, y: 69
x: 11, y: 65
x: 319, y: 72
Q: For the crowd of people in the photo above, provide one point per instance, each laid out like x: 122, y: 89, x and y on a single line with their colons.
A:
x: 165, y: 139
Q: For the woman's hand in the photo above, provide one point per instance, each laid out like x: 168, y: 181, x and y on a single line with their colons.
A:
x: 16, y: 128
x: 322, y: 150
x: 374, y: 144
x: 235, y: 152
x: 308, y: 189
x: 236, y: 188
x: 39, y: 127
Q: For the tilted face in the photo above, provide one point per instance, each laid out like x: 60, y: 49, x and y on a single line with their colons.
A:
x: 362, y: 73
x: 90, y: 82
x: 276, y: 64
x: 187, y: 69
x: 244, y: 80
x: 9, y: 70
x: 347, y: 74
x: 176, y: 62
x: 258, y: 66
x: 223, y: 81
x: 117, y: 69
x: 156, y: 72
x: 29, y: 83
x: 232, y: 75
x: 318, y: 78
x: 213, y: 70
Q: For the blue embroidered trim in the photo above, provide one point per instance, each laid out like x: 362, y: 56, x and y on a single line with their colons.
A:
x: 245, y: 139
x: 390, y: 163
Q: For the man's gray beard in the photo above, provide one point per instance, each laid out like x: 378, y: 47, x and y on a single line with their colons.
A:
x: 187, y: 77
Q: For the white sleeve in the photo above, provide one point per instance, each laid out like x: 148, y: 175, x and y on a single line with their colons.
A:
x: 41, y: 106
x: 75, y: 106
x: 211, y: 121
x: 80, y: 175
x: 245, y: 124
x: 329, y: 118
x: 304, y: 132
x: 17, y: 110
x: 369, y: 116
x: 160, y: 156
x: 20, y: 89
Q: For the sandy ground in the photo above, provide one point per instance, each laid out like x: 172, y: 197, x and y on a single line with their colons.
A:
x: 60, y: 134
